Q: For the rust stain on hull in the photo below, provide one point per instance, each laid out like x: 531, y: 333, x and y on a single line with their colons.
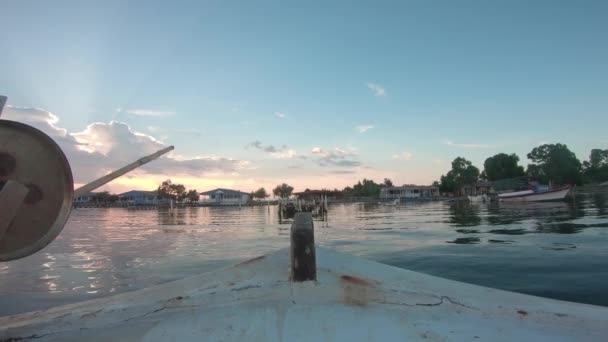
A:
x: 356, y: 291
x: 357, y: 281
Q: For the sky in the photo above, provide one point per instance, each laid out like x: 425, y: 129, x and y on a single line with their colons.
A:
x: 314, y: 94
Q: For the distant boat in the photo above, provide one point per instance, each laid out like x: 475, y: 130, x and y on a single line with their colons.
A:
x: 533, y: 196
x: 478, y: 198
x: 396, y: 201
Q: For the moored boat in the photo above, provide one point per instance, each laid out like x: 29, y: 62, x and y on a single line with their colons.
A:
x: 532, y: 196
x: 483, y: 198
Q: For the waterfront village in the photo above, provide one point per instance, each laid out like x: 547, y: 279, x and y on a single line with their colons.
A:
x: 553, y: 165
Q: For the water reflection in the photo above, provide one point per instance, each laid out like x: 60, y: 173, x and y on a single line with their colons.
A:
x: 105, y: 251
x: 465, y: 240
x: 599, y: 200
x: 464, y: 213
x: 507, y: 242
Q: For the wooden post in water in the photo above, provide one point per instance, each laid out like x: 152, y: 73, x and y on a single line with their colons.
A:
x: 302, y: 251
x: 2, y: 103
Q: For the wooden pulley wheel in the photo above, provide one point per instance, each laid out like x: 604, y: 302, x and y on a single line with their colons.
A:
x: 36, y: 190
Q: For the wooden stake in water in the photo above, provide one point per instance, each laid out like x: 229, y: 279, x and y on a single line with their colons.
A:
x: 2, y: 103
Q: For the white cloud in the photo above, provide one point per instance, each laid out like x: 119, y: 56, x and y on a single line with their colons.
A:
x: 453, y: 144
x: 403, y: 155
x: 108, y: 146
x: 36, y: 117
x: 280, y: 115
x: 285, y: 154
x: 377, y: 89
x: 146, y: 112
x: 364, y: 128
x: 335, y: 157
x: 281, y: 152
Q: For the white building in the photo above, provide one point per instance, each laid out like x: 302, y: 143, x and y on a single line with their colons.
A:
x: 86, y: 198
x: 224, y: 197
x: 140, y: 197
x: 409, y: 192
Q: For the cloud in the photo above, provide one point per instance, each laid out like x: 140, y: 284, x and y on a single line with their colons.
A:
x: 453, y: 144
x: 342, y: 172
x: 377, y: 89
x: 336, y: 157
x: 103, y: 147
x: 280, y: 115
x: 281, y: 152
x: 364, y: 128
x: 36, y: 117
x: 145, y: 112
x: 403, y: 155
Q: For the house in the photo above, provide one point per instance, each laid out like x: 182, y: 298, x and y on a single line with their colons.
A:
x: 86, y: 198
x: 221, y: 196
x: 479, y: 188
x: 316, y: 195
x: 140, y: 197
x: 409, y: 191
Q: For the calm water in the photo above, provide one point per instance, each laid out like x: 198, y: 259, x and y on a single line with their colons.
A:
x: 557, y: 250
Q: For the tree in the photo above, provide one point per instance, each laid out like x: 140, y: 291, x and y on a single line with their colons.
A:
x: 447, y: 183
x: 105, y: 197
x: 463, y: 172
x: 164, y: 190
x: 283, y: 190
x: 502, y: 166
x: 365, y: 188
x: 596, y: 169
x: 180, y: 192
x: 554, y: 163
x: 174, y: 191
x: 261, y: 193
x: 192, y: 196
x: 388, y: 182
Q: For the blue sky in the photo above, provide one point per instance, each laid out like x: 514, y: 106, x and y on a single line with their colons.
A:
x: 311, y: 93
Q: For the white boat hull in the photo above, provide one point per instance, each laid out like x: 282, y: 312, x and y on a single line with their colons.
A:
x: 478, y: 198
x: 353, y: 299
x: 531, y: 196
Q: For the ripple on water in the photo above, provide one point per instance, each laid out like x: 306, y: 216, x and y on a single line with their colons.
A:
x: 106, y: 251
